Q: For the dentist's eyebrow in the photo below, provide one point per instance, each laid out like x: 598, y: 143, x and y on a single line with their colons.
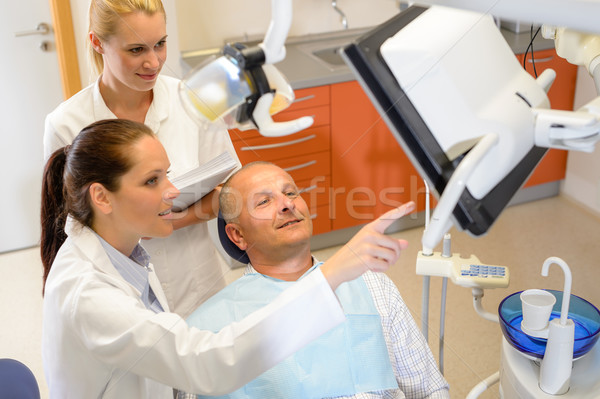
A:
x: 155, y: 171
x: 144, y: 44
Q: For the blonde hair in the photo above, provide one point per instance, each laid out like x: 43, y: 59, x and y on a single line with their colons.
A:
x: 104, y: 17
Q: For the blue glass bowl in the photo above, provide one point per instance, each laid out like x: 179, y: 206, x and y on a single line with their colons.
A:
x: 585, y: 316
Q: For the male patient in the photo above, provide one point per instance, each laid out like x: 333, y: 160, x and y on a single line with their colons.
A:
x: 378, y: 352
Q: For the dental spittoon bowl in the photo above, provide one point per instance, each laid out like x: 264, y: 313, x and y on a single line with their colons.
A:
x: 585, y: 316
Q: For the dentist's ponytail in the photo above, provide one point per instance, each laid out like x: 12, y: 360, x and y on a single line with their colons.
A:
x: 53, y: 214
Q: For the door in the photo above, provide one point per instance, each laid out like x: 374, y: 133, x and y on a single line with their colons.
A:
x: 30, y: 89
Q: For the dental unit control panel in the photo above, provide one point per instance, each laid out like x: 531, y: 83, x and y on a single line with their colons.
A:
x: 465, y: 272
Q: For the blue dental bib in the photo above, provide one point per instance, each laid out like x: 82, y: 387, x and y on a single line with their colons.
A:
x: 349, y: 359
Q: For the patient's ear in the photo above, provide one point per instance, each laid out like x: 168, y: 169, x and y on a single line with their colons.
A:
x: 236, y: 236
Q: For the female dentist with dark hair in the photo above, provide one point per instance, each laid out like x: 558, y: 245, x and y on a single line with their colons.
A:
x: 107, y: 329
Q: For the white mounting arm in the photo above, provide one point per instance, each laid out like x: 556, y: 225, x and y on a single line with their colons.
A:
x: 281, y: 20
x: 273, y: 46
x: 579, y: 48
x: 441, y: 221
x: 569, y: 130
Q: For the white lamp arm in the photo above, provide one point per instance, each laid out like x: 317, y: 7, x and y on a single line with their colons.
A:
x: 273, y: 45
x: 269, y: 128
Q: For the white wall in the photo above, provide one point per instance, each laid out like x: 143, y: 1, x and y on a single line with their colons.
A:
x: 582, y: 181
x: 207, y: 23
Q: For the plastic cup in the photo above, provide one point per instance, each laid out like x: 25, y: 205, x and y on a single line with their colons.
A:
x: 537, y: 306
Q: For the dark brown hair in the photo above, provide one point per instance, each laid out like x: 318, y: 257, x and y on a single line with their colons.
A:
x: 99, y: 154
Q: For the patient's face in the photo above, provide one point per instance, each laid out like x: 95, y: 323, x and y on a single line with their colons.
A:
x: 274, y: 217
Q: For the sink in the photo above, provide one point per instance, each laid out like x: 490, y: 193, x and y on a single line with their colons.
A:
x: 330, y: 56
x: 327, y: 52
x: 324, y: 47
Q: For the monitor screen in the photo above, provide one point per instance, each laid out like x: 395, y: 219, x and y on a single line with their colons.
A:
x: 475, y: 215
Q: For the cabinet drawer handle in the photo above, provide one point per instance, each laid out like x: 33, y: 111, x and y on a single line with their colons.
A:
x: 538, y: 60
x: 305, y: 98
x: 303, y: 165
x: 278, y: 145
x: 314, y: 216
x: 307, y: 189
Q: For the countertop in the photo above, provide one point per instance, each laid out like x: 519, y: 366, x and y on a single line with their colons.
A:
x: 303, y: 69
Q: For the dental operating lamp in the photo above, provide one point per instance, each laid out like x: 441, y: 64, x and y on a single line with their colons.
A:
x: 473, y: 122
x: 242, y: 88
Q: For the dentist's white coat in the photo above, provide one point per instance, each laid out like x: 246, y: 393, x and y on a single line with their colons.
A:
x: 99, y: 341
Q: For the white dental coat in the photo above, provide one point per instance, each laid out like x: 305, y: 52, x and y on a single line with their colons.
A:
x: 99, y: 341
x: 187, y: 263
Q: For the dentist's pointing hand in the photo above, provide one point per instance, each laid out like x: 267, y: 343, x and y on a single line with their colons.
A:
x: 369, y: 249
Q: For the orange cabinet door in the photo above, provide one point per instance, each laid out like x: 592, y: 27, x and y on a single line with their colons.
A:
x: 320, y: 220
x: 561, y: 95
x: 271, y: 149
x: 315, y: 192
x: 370, y: 172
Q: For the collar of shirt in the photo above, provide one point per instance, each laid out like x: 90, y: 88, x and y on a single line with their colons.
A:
x: 158, y: 111
x: 315, y: 263
x: 134, y: 269
x: 160, y: 106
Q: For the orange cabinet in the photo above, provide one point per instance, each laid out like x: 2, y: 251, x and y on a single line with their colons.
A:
x: 562, y: 94
x: 370, y: 172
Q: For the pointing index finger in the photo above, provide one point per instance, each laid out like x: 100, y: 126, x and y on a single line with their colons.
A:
x: 385, y: 220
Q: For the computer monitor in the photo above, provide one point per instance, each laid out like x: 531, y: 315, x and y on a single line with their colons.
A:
x: 421, y: 125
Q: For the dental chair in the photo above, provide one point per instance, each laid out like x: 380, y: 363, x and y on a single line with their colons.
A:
x: 230, y: 248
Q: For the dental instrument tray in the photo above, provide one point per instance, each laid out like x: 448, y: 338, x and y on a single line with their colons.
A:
x: 585, y: 316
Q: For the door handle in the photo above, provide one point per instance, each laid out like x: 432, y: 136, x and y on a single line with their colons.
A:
x: 277, y: 145
x: 42, y: 29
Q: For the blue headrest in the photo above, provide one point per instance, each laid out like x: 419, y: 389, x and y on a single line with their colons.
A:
x: 229, y: 247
